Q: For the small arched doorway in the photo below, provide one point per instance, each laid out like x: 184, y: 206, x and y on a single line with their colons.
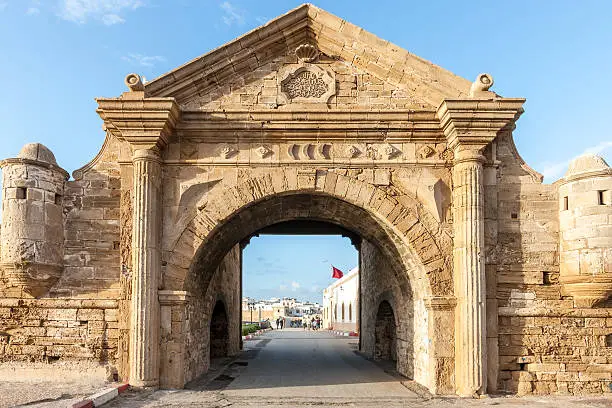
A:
x: 385, y: 333
x: 219, y: 333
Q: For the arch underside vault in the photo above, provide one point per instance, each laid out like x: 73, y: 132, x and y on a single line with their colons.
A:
x: 403, y: 260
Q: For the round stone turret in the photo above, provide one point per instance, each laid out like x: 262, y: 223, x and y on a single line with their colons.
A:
x: 32, y: 247
x: 585, y: 230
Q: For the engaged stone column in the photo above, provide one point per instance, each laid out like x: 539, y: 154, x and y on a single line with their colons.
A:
x: 146, y: 264
x: 147, y: 124
x: 469, y: 125
x: 468, y: 262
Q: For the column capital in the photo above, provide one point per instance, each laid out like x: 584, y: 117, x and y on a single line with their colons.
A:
x: 471, y: 124
x: 146, y: 123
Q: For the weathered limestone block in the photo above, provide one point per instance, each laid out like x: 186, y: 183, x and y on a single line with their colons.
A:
x: 32, y: 248
x: 585, y: 239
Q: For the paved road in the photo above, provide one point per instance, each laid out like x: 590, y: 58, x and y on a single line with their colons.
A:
x: 293, y: 368
x: 296, y: 363
x: 290, y: 368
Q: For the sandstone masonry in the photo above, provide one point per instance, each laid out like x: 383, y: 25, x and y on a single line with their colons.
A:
x: 475, y: 276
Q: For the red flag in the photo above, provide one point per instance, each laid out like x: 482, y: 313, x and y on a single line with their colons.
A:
x: 336, y: 273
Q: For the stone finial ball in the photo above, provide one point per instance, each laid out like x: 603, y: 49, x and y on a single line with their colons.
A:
x: 134, y: 82
x: 37, y: 152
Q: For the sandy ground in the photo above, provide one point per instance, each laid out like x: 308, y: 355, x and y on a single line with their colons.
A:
x: 48, y: 385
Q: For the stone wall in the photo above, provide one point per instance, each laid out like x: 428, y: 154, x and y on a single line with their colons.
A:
x: 77, y: 319
x: 547, y: 342
x: 92, y: 263
x: 195, y: 328
x: 379, y: 284
x: 58, y: 330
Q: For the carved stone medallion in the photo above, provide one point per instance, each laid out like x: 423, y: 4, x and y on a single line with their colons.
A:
x: 305, y: 83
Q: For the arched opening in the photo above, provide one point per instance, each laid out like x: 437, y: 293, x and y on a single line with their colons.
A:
x: 350, y: 313
x: 342, y: 311
x: 389, y: 269
x: 219, y: 331
x: 385, y: 333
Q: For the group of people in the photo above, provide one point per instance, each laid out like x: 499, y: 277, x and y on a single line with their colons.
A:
x: 312, y: 324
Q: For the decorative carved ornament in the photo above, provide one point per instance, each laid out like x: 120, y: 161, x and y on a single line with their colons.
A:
x: 307, y: 53
x: 309, y: 151
x: 226, y: 151
x: 426, y: 152
x: 305, y: 82
x: 263, y: 151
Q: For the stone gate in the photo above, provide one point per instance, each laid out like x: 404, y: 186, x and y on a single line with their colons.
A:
x: 495, y: 281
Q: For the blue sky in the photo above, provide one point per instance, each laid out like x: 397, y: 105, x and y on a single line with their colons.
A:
x: 296, y: 266
x: 56, y: 56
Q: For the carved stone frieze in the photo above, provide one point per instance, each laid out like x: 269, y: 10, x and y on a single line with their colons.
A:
x: 309, y: 151
x: 264, y: 151
x: 426, y: 152
x: 226, y: 151
x: 371, y: 152
x: 391, y: 152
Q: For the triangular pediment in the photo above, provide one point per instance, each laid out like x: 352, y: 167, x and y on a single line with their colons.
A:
x: 367, y: 70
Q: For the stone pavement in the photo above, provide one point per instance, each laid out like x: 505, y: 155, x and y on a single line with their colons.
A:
x: 292, y: 368
x: 288, y: 368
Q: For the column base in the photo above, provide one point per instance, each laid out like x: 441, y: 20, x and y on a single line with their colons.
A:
x: 145, y: 385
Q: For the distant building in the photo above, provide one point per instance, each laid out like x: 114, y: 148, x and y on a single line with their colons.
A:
x: 254, y: 310
x: 341, y: 303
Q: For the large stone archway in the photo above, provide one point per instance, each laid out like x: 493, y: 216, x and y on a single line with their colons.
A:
x: 305, y: 118
x: 420, y: 276
x: 205, y: 212
x: 311, y: 118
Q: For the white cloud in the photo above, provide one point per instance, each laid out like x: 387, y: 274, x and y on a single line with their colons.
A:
x: 233, y: 15
x: 106, y: 11
x: 111, y: 19
x: 295, y: 286
x: 143, y: 60
x: 554, y: 170
x: 31, y: 11
x: 283, y: 287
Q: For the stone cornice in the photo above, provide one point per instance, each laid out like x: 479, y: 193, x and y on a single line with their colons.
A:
x: 332, y: 35
x: 143, y: 122
x: 587, y: 174
x: 398, y: 125
x: 173, y: 297
x: 19, y: 160
x: 474, y: 123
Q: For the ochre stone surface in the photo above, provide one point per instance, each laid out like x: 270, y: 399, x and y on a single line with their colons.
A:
x: 495, y: 283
